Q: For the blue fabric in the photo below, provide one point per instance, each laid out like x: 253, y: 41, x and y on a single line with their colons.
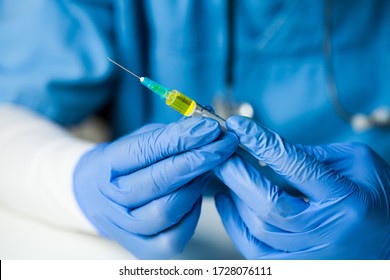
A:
x: 54, y: 61
x: 52, y: 57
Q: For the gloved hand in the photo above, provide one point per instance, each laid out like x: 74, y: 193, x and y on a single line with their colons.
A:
x: 346, y: 212
x: 144, y: 190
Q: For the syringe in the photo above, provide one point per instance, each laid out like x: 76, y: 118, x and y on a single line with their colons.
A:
x: 189, y: 108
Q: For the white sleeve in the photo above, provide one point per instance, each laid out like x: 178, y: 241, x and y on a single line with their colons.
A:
x: 37, y: 160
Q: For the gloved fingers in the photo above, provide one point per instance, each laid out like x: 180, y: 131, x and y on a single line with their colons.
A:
x: 134, y: 152
x: 249, y: 247
x: 272, y: 204
x: 161, y: 213
x: 146, y: 128
x: 315, y: 179
x: 275, y: 237
x: 164, y: 245
x: 169, y: 174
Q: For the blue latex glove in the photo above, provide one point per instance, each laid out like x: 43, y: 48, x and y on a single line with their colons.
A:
x: 346, y: 214
x: 144, y: 190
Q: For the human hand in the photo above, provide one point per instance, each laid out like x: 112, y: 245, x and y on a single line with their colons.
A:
x: 144, y: 190
x: 346, y: 214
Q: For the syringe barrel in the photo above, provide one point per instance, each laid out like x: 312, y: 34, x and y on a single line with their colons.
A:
x: 204, y: 112
x: 241, y: 150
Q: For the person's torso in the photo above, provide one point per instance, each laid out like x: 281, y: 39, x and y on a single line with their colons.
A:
x: 279, y: 65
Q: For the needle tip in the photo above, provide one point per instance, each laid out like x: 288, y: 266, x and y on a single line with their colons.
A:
x: 127, y: 70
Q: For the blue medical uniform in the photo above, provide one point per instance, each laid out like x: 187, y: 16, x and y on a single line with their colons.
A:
x: 53, y: 60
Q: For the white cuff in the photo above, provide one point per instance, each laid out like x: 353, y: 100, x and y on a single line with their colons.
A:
x: 37, y: 163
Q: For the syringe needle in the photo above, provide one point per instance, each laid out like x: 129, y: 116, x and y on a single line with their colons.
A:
x: 127, y: 70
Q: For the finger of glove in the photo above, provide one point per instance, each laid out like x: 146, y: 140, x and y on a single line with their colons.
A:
x: 273, y: 205
x: 275, y: 237
x: 164, y: 212
x: 135, y: 152
x: 315, y: 179
x: 169, y: 174
x: 249, y: 246
x: 244, y: 241
x: 164, y: 245
x: 146, y: 128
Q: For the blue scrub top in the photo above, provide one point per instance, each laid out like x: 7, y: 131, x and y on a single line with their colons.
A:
x: 54, y: 60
